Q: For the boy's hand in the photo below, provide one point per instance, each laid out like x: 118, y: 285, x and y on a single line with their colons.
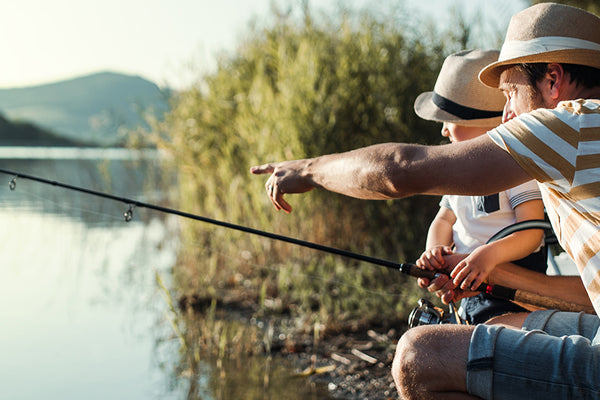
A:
x: 474, y: 269
x: 433, y: 258
x: 443, y: 285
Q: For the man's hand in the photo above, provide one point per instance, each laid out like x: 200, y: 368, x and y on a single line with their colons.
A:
x: 286, y: 177
x: 442, y: 284
x: 444, y: 288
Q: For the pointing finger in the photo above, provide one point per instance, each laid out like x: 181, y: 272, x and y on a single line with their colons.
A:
x: 262, y: 169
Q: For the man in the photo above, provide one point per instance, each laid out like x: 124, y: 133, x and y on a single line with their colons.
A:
x: 547, y: 69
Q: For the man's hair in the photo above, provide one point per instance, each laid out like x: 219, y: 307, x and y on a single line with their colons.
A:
x: 588, y: 77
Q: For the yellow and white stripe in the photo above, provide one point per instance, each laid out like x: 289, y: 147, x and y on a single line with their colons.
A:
x: 561, y: 149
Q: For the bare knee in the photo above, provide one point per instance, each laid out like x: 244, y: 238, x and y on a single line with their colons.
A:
x: 410, y: 352
x: 431, y: 359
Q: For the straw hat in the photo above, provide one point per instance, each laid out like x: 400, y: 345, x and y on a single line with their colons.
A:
x: 547, y: 33
x: 459, y: 97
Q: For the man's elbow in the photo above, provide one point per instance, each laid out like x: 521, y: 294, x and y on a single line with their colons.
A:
x: 400, y: 176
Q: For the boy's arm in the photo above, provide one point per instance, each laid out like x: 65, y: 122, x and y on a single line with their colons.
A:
x: 474, y: 270
x: 439, y: 240
x: 440, y: 230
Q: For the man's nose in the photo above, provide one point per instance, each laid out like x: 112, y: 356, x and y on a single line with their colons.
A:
x: 508, y: 113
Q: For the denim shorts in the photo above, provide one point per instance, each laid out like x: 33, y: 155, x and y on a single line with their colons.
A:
x: 555, y: 356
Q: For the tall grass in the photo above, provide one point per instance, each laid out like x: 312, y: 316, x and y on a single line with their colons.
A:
x: 300, y: 88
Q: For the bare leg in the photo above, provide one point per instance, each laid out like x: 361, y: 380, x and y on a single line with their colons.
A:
x: 512, y: 320
x: 431, y: 362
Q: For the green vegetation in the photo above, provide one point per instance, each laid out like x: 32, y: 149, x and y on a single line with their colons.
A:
x: 296, y: 89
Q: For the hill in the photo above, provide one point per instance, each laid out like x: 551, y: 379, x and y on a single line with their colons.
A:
x: 26, y: 134
x: 100, y: 108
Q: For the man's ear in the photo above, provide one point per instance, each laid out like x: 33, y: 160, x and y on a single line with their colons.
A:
x: 555, y: 76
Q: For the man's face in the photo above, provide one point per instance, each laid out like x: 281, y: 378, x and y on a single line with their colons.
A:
x: 521, y: 97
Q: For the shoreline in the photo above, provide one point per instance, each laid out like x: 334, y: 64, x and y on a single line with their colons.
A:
x: 354, y: 366
x: 352, y: 362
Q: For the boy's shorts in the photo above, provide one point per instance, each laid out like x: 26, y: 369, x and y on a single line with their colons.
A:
x: 555, y: 356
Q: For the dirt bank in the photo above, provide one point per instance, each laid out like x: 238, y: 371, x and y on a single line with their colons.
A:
x: 353, y: 366
x: 353, y: 361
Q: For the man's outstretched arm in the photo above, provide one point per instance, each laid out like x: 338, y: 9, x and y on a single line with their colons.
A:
x: 396, y: 170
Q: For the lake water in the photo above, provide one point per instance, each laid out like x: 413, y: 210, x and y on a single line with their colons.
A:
x: 82, y: 315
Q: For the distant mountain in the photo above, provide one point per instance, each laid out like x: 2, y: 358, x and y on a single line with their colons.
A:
x: 101, y: 107
x: 26, y: 134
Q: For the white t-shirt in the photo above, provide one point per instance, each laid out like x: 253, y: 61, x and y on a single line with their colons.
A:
x: 478, y: 218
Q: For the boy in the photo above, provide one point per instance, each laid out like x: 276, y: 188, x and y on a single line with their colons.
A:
x: 469, y: 109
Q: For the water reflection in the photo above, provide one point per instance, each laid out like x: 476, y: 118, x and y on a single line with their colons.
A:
x: 82, y: 314
x: 218, y: 362
x: 139, y: 179
x: 79, y: 308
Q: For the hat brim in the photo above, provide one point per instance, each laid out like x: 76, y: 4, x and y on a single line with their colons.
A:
x: 426, y: 109
x: 490, y: 75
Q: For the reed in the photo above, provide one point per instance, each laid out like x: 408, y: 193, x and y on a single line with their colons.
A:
x: 297, y: 89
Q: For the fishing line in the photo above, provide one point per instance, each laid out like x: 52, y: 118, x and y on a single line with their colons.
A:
x: 59, y: 205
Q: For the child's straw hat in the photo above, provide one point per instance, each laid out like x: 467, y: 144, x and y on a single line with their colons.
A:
x: 459, y: 97
x: 547, y: 33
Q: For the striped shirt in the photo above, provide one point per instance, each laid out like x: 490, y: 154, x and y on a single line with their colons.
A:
x: 560, y: 148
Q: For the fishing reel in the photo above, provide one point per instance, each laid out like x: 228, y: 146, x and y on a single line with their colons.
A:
x: 428, y: 314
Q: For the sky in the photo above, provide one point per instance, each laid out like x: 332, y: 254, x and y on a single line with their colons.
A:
x: 169, y: 42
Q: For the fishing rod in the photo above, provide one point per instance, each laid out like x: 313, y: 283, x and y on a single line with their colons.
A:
x: 406, y: 268
x: 139, y: 204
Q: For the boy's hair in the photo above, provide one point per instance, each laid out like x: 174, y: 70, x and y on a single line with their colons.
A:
x: 588, y: 77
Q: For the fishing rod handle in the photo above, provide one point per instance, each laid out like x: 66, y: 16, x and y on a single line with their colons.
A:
x: 534, y: 299
x: 551, y: 303
x: 417, y: 272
